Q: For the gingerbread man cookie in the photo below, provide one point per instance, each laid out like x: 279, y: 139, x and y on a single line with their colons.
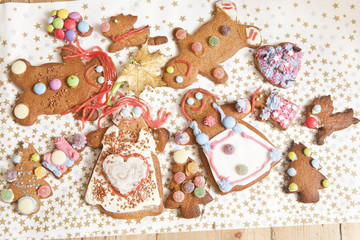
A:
x: 235, y: 154
x: 213, y: 43
x: 319, y: 114
x: 120, y: 29
x: 27, y: 181
x: 55, y: 88
x: 187, y: 187
x: 126, y: 181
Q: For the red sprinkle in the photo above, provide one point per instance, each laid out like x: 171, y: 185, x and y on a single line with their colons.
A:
x: 178, y: 196
x: 179, y: 177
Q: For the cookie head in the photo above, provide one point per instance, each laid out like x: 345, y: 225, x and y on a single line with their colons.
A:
x: 317, y: 111
x: 259, y: 99
x: 118, y: 25
x: 196, y: 103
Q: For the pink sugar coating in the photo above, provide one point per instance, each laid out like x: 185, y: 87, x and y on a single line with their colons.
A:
x: 178, y: 196
x: 199, y: 181
x: 179, y: 177
x: 209, y: 121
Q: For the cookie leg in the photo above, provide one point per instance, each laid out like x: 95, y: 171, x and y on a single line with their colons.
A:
x: 216, y: 74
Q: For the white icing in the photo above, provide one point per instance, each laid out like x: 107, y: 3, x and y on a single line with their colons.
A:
x: 253, y: 36
x: 125, y: 176
x: 21, y: 111
x: 247, y: 152
x: 228, y: 7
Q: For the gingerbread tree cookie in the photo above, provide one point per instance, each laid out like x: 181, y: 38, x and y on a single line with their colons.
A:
x: 27, y: 181
x: 120, y: 29
x: 187, y: 187
x: 213, y: 43
x: 306, y: 178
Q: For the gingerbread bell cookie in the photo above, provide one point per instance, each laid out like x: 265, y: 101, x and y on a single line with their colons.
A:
x: 120, y: 29
x: 304, y: 171
x: 213, y: 43
x: 235, y: 155
x: 67, y: 26
x: 279, y: 64
x: 27, y: 181
x: 274, y: 108
x: 319, y: 114
x: 187, y: 187
x: 65, y: 155
x: 61, y: 88
x: 126, y: 182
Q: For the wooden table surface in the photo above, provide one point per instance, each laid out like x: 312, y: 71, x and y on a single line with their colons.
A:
x: 347, y: 231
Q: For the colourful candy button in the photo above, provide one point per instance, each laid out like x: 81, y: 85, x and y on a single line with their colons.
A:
x: 58, y: 157
x: 53, y: 13
x: 242, y: 169
x: 58, y: 23
x: 70, y: 35
x: 105, y: 26
x: 182, y: 138
x: 59, y: 34
x: 199, y: 192
x: 293, y: 187
x: 18, y: 67
x: 16, y: 159
x: 99, y: 69
x: 63, y: 13
x: 26, y: 205
x: 137, y: 111
x: 229, y: 149
x: 101, y: 80
x: 178, y: 196
x: 311, y: 122
x: 291, y: 172
x: 214, y: 41
x: 75, y: 16
x: 196, y: 47
x: 179, y: 177
x: 307, y: 151
x: 198, y: 95
x: 7, y: 195
x: 292, y: 156
x: 83, y: 27
x: 69, y: 24
x: 180, y: 156
x: 315, y: 163
x: 316, y: 109
x: 188, y: 187
x: 170, y: 69
x: 44, y: 191
x: 73, y: 81
x: 21, y: 111
x: 35, y: 157
x: 325, y: 183
x: 180, y: 34
x: 192, y: 167
x: 11, y: 175
x: 50, y: 28
x: 199, y: 181
x: 55, y: 84
x: 190, y: 101
x: 40, y: 172
x: 218, y: 73
x: 39, y: 88
x: 225, y: 30
x: 125, y: 112
x: 179, y: 79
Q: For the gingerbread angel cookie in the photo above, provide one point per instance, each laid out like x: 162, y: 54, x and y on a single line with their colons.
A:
x: 235, y: 154
x: 27, y: 181
x: 213, y: 43
x: 319, y: 114
x: 304, y: 171
x: 187, y: 187
x: 274, y: 108
x: 126, y: 181
x: 120, y: 29
x: 57, y: 88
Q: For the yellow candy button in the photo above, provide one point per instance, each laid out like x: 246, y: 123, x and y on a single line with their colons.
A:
x: 192, y: 167
x: 63, y: 13
x: 40, y: 172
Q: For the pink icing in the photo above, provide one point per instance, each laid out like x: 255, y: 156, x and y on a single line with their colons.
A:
x: 63, y: 145
x: 285, y: 113
x: 47, y: 158
x: 209, y: 121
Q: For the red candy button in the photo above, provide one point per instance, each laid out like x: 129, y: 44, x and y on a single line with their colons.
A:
x: 59, y: 34
x: 180, y: 34
x: 178, y: 196
x: 196, y: 47
x: 44, y: 191
x: 199, y: 181
x: 311, y: 122
x: 218, y: 73
x: 69, y: 24
x: 179, y: 177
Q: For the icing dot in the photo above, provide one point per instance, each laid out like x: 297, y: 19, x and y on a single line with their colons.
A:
x: 50, y: 28
x: 224, y: 185
x: 292, y: 156
x: 229, y: 122
x: 202, y: 138
x: 99, y: 69
x: 73, y: 81
x: 199, y: 181
x: 180, y: 34
x: 325, y: 183
x: 35, y: 157
x: 137, y: 111
x: 218, y: 73
x: 70, y: 35
x: 18, y: 67
x: 58, y: 157
x: 307, y: 151
x: 188, y: 187
x: 69, y: 24
x: 170, y: 69
x: 105, y: 26
x: 11, y: 175
x: 125, y: 112
x: 190, y: 101
x: 21, y: 111
x: 178, y: 196
x: 55, y: 84
x: 115, y: 21
x: 293, y: 187
x: 225, y: 30
x: 16, y: 159
x: 40, y: 172
x: 101, y: 80
x: 179, y: 177
x: 199, y: 192
x: 50, y: 20
x: 7, y: 195
x: 196, y: 47
x: 315, y: 163
x: 53, y: 13
x: 63, y: 13
x: 75, y: 16
x: 26, y: 205
x: 198, y: 95
x: 58, y: 23
x: 179, y: 79
x: 44, y: 191
x: 214, y: 41
x: 316, y: 109
x: 311, y: 122
x: 83, y: 27
x: 242, y: 169
x: 291, y: 172
x: 59, y: 34
x: 182, y: 138
x: 39, y: 88
x: 229, y: 149
x: 192, y: 168
x: 180, y: 156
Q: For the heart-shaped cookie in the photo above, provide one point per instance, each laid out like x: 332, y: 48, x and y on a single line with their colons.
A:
x: 279, y: 64
x: 125, y: 173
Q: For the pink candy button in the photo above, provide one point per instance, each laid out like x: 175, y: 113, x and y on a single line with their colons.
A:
x: 199, y: 181
x: 179, y: 177
x: 178, y: 196
x: 196, y: 47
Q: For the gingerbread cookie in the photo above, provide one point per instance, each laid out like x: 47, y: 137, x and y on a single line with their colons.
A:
x: 319, y: 114
x: 279, y: 64
x: 27, y: 181
x: 65, y: 155
x: 235, y: 154
x: 187, y: 187
x: 304, y: 172
x: 67, y: 26
x: 276, y: 109
x: 60, y: 88
x: 126, y: 181
x: 120, y: 29
x: 213, y: 43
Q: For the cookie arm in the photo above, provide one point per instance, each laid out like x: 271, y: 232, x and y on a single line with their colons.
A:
x: 161, y: 136
x: 94, y: 138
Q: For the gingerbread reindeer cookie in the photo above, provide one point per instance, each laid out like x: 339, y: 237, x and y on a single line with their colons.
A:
x: 235, y: 154
x: 187, y: 187
x: 319, y: 114
x: 126, y: 182
x: 213, y: 43
x: 27, y: 181
x: 120, y: 29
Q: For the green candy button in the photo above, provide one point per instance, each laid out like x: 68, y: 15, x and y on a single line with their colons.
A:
x: 50, y: 28
x: 214, y: 41
x: 199, y: 192
x: 293, y: 187
x: 35, y: 157
x: 53, y: 13
x: 73, y: 81
x: 7, y: 195
x: 58, y: 23
x: 325, y: 183
x: 242, y: 169
x: 170, y: 69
